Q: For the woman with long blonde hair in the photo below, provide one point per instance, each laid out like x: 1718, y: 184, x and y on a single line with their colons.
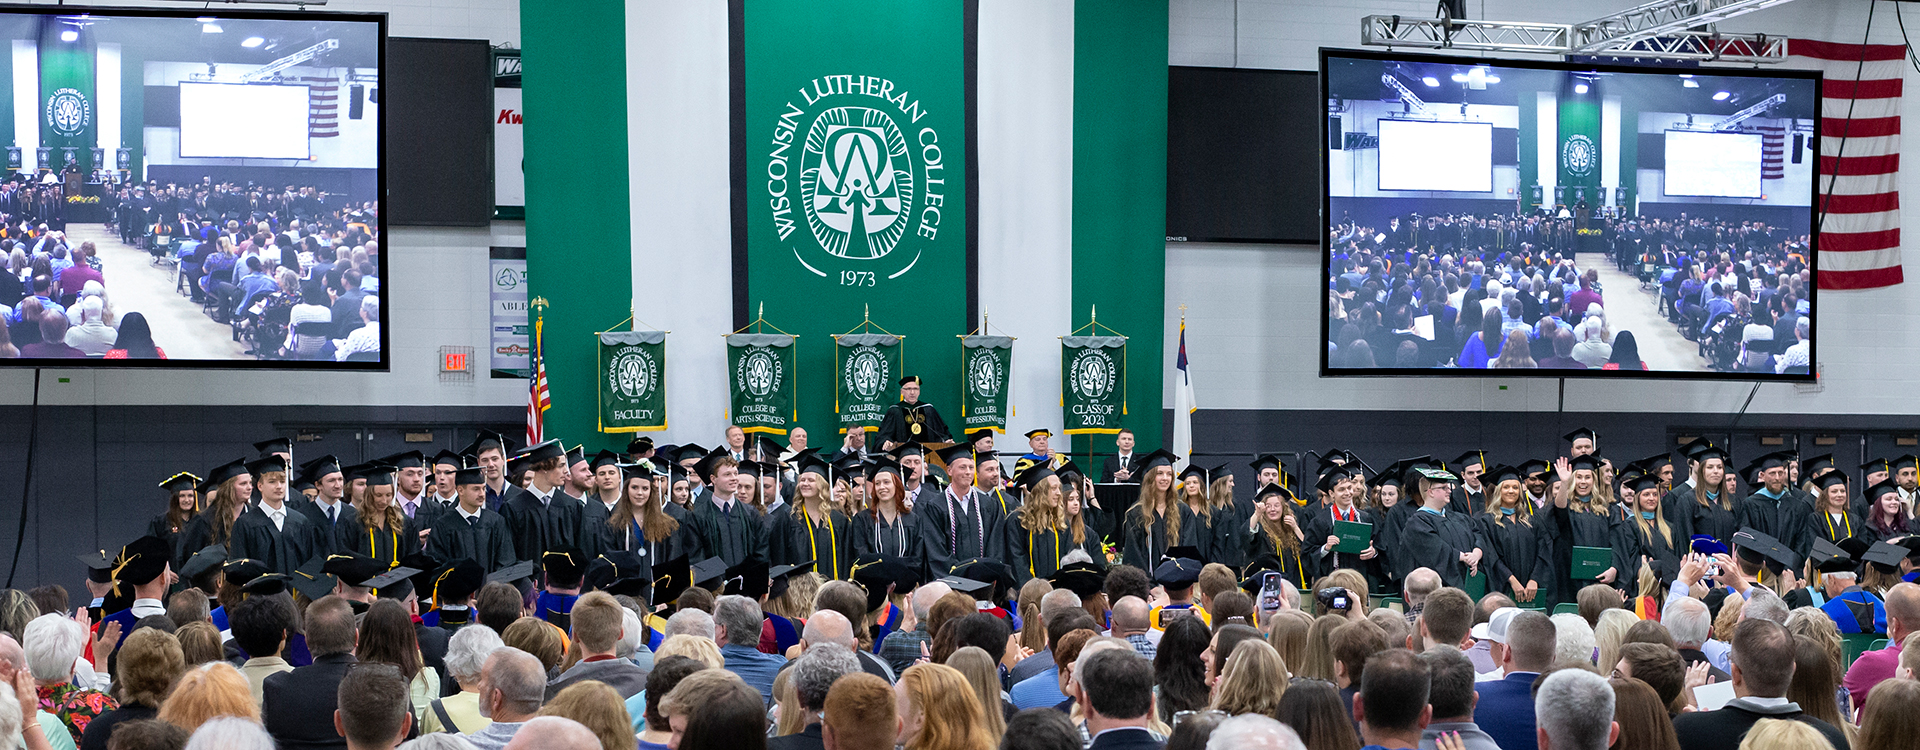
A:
x: 1157, y: 520
x: 378, y: 530
x: 1660, y: 544
x: 886, y: 525
x: 1589, y: 518
x: 232, y: 486
x: 1523, y: 554
x: 942, y: 710
x: 1229, y: 519
x: 1075, y: 495
x: 1710, y: 508
x: 1036, y: 536
x: 1279, y: 535
x: 1253, y: 680
x: 809, y: 529
x: 983, y: 674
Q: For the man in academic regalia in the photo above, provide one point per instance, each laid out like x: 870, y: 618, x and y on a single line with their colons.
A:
x: 728, y: 528
x: 1038, y: 451
x: 469, y: 530
x: 565, y: 567
x: 913, y: 473
x: 452, y: 592
x: 961, y: 523
x: 409, y: 482
x: 329, y: 508
x: 910, y: 420
x: 1771, y: 510
x: 272, y: 532
x: 609, y: 484
x: 142, y: 569
x: 1470, y: 496
x: 444, y: 496
x: 541, y: 516
x: 489, y: 452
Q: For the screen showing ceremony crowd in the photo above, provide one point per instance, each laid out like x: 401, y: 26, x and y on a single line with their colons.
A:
x: 190, y: 189
x: 1563, y: 220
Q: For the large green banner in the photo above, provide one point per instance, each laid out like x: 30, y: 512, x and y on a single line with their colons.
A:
x: 853, y: 176
x: 1579, y: 141
x: 761, y: 376
x: 1093, y: 383
x: 633, y: 381
x: 866, y: 380
x: 986, y: 365
x: 67, y: 103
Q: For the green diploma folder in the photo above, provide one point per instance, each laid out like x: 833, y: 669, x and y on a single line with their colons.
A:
x: 1355, y: 537
x: 1590, y: 562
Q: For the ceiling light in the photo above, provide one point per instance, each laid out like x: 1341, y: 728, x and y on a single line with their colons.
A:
x: 253, y: 41
x: 1579, y: 88
x: 211, y: 28
x: 206, y: 19
x: 1686, y: 75
x: 1430, y: 81
x: 1721, y: 97
x: 1690, y: 83
x: 1491, y: 78
x: 69, y: 35
x: 1459, y: 78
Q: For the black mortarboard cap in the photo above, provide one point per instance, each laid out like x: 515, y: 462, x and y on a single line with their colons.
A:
x: 605, y: 458
x: 576, y: 454
x: 642, y: 470
x: 380, y: 476
x: 268, y: 584
x: 240, y: 570
x: 910, y: 379
x: 226, y: 471
x: 406, y: 460
x: 1581, y: 433
x: 1500, y: 473
x: 564, y: 566
x: 1711, y: 451
x: 1773, y: 460
x: 456, y: 581
x: 979, y: 435
x: 779, y: 577
x: 1908, y: 461
x: 449, y: 458
x: 1878, y: 464
x: 1084, y: 579
x: 1471, y: 458
x: 1883, y: 487
x: 908, y: 448
x: 749, y: 578
x: 1590, y: 462
x: 511, y: 573
x: 1177, y: 573
x: 993, y: 572
x: 768, y: 448
x: 1643, y: 482
x: 544, y: 451
x: 487, y: 440
x: 141, y: 561
x: 612, y: 565
x: 755, y: 469
x: 1533, y: 466
x: 1182, y: 552
x: 1265, y: 461
x: 1194, y: 470
x: 955, y: 452
x: 180, y: 482
x: 469, y: 476
x: 1333, y: 477
x: 1161, y: 457
x: 1654, y: 462
x: 319, y: 468
x: 99, y: 566
x: 395, y: 577
x: 1031, y: 434
x: 274, y: 445
x: 311, y: 579
x: 639, y: 445
x: 361, y: 471
x: 1757, y: 547
x: 883, y: 464
x: 302, y: 484
x: 681, y: 453
x: 1811, y: 467
x: 354, y: 570
x: 669, y: 579
x: 705, y: 466
x: 1829, y: 557
x: 1037, y: 473
x: 968, y: 586
x: 1830, y: 478
x: 207, y: 560
x: 1267, y: 490
x: 1886, y: 557
x: 517, y: 464
x: 1068, y: 469
x: 709, y: 573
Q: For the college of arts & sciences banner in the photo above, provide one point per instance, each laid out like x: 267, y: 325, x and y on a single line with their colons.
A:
x: 852, y: 179
x: 633, y: 392
x: 1093, y: 384
x: 761, y: 378
x: 986, y: 364
x: 866, y: 381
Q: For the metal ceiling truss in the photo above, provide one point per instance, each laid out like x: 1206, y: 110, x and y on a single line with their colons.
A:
x: 1663, y: 29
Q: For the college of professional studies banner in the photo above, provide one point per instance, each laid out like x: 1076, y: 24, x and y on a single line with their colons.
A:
x: 866, y: 380
x: 1093, y: 384
x: 761, y: 378
x: 854, y: 180
x: 985, y: 365
x: 633, y: 390
x: 67, y: 103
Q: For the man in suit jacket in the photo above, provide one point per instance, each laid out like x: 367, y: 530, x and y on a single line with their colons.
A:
x: 298, y: 706
x: 1119, y: 467
x: 1523, y: 647
x: 1115, y: 685
x: 1762, y: 670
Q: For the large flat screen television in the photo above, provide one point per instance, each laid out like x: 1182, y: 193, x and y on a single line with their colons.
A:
x: 192, y: 188
x: 1567, y: 219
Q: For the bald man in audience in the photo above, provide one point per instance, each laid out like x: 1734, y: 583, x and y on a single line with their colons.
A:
x: 1130, y: 622
x: 860, y: 714
x: 828, y: 626
x: 554, y: 733
x: 1874, y: 667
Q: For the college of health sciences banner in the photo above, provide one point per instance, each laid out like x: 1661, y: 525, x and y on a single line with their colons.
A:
x: 866, y: 383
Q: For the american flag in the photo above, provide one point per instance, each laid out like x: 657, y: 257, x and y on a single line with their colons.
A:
x: 323, y: 105
x: 538, y: 399
x: 1773, y: 150
x: 1859, y: 200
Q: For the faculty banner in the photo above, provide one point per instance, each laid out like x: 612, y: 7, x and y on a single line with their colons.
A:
x: 866, y: 378
x: 67, y: 104
x: 633, y: 391
x: 985, y: 366
x: 761, y: 377
x: 1093, y: 384
x: 852, y: 179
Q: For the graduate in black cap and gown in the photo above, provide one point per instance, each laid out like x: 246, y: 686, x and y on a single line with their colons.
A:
x: 728, y: 525
x: 1771, y: 510
x: 142, y: 570
x: 1158, y: 520
x: 566, y: 570
x: 214, y: 523
x: 379, y: 529
x: 1277, y: 538
x: 1704, y: 507
x: 1834, y: 519
x: 183, y: 503
x: 645, y: 524
x: 452, y: 588
x: 470, y: 531
x: 1517, y: 542
x: 1656, y: 541
x: 272, y: 532
x: 810, y: 529
x: 1470, y: 497
x: 489, y: 452
x: 1885, y: 518
x: 963, y: 522
x: 910, y: 420
x: 330, y: 506
x: 1191, y: 486
x: 542, y: 517
x: 1583, y: 518
x: 1039, y: 533
x: 887, y: 526
x: 608, y: 486
x: 1449, y: 543
x: 1321, y: 532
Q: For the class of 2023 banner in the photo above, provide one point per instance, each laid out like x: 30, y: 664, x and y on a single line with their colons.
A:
x: 761, y: 375
x: 866, y: 379
x: 851, y: 179
x: 633, y: 392
x: 986, y: 366
x: 1093, y: 384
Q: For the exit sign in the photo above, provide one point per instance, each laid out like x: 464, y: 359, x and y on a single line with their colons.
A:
x: 455, y: 361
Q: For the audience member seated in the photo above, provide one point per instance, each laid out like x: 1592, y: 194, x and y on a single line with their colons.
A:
x: 511, y: 686
x: 1762, y: 660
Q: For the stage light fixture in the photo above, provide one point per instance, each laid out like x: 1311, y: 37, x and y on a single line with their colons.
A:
x: 1430, y: 81
x: 1579, y: 88
x: 1721, y: 96
x: 1459, y: 78
x: 253, y: 41
x: 1690, y: 83
x: 1491, y: 78
x: 69, y: 36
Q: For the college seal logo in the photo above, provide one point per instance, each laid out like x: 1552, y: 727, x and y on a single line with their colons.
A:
x: 984, y: 372
x: 759, y: 373
x: 865, y: 373
x: 1092, y: 373
x: 1578, y: 155
x: 633, y: 373
x: 855, y: 181
x: 68, y: 112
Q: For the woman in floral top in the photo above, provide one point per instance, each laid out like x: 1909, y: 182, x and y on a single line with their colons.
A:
x: 53, y: 644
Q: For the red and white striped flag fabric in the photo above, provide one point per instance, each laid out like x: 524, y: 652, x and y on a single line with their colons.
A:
x: 1859, y: 192
x: 539, y: 400
x: 1773, y: 150
x: 323, y: 106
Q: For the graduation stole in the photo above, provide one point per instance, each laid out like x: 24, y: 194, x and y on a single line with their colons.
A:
x: 1846, y: 521
x: 1056, y: 553
x: 833, y: 538
x: 1297, y: 567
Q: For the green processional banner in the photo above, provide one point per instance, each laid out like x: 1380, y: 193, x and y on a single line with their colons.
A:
x: 852, y: 178
x: 1579, y: 133
x: 760, y: 375
x: 633, y: 392
x: 1093, y: 383
x: 68, y: 109
x: 985, y: 366
x: 866, y: 378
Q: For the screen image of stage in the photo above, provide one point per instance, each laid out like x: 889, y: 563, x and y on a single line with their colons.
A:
x: 1560, y: 219
x: 187, y: 189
